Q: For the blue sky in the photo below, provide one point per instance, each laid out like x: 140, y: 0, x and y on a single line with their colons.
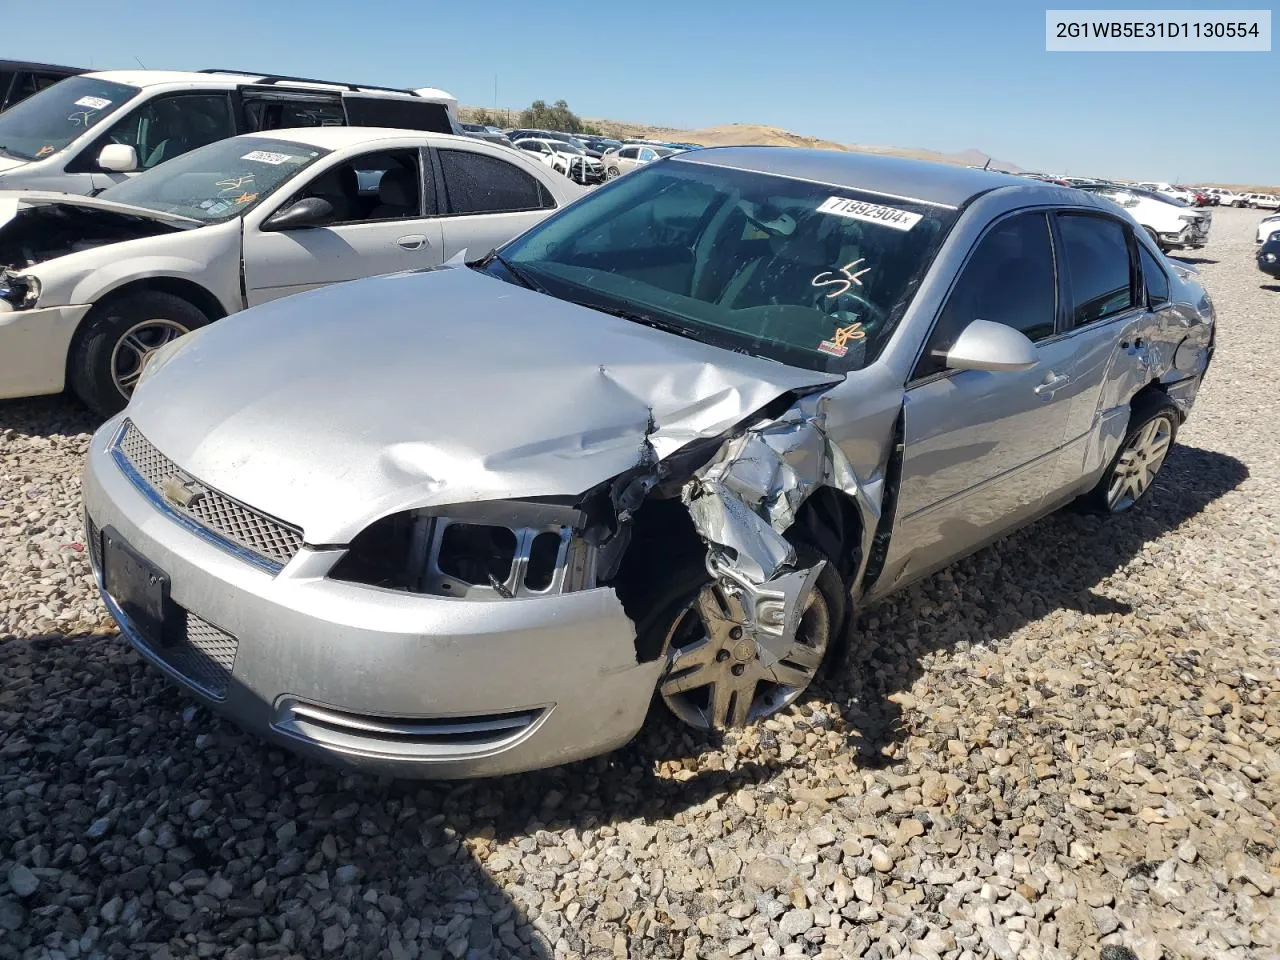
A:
x: 944, y: 76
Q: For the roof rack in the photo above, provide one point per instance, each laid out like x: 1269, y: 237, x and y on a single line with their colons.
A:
x: 268, y: 78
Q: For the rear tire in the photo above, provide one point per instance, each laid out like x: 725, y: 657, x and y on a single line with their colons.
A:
x: 1153, y: 429
x: 116, y: 340
x: 1155, y: 238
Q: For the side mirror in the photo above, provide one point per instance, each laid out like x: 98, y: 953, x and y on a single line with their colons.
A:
x: 306, y: 213
x: 984, y: 345
x: 118, y: 158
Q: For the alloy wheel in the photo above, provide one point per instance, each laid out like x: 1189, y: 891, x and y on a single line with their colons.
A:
x: 134, y: 349
x: 715, y: 678
x: 1138, y: 463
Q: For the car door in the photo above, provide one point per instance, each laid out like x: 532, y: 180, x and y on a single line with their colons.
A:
x: 487, y: 200
x: 1117, y: 339
x: 980, y: 446
x: 627, y: 159
x: 384, y: 221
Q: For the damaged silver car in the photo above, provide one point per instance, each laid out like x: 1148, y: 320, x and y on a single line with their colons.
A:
x: 477, y: 519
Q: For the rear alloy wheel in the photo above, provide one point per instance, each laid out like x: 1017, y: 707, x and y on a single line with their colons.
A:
x: 611, y: 173
x: 715, y: 678
x: 1142, y: 453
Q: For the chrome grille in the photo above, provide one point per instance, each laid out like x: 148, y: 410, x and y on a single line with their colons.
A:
x: 230, y: 520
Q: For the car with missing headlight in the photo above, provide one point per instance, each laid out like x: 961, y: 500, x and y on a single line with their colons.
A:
x: 92, y: 286
x: 476, y: 519
x: 1268, y: 227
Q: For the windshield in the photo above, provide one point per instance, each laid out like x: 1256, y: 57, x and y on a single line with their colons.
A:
x: 562, y: 146
x: 219, y: 181
x: 810, y: 275
x: 43, y: 124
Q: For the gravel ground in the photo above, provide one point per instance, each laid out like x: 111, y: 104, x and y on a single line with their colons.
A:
x: 1064, y: 746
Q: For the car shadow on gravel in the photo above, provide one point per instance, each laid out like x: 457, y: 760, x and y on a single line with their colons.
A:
x: 54, y: 416
x: 1054, y: 564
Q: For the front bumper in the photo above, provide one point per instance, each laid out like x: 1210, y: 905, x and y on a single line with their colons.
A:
x: 380, y: 680
x: 1270, y: 267
x: 33, y: 349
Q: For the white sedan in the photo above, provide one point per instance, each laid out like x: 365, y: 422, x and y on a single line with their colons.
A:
x: 92, y: 286
x: 1268, y: 226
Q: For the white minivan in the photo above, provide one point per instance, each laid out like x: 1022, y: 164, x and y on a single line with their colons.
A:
x: 85, y: 133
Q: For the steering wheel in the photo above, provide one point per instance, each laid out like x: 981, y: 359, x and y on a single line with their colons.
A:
x: 852, y: 307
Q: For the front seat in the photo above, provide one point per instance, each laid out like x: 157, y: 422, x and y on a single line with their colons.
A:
x: 341, y: 187
x: 397, y: 195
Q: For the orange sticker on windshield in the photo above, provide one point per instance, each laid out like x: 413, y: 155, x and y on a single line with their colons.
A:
x: 246, y: 198
x: 839, y: 345
x: 44, y: 151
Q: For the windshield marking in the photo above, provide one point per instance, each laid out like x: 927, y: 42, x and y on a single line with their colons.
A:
x: 234, y: 183
x: 845, y: 282
x: 82, y: 118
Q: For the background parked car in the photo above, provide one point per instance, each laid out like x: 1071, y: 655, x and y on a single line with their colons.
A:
x: 629, y: 157
x: 1264, y: 201
x: 1268, y: 226
x: 481, y: 132
x: 1226, y: 197
x: 96, y: 284
x: 1269, y: 257
x: 19, y: 79
x: 564, y: 157
x: 87, y: 132
x: 1170, y: 223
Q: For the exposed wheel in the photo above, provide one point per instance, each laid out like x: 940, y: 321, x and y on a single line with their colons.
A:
x: 1152, y: 430
x: 714, y: 678
x: 611, y: 173
x: 116, y: 341
x: 1155, y: 238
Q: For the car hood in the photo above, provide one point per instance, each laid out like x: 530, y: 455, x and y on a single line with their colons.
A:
x: 333, y: 408
x: 12, y: 201
x: 11, y: 163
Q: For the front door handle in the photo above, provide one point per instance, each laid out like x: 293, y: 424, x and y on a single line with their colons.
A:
x: 1052, y: 383
x: 415, y: 241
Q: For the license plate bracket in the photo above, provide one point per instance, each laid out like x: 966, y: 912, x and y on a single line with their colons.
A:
x: 138, y: 586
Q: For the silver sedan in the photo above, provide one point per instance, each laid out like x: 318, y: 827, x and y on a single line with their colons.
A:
x: 471, y: 520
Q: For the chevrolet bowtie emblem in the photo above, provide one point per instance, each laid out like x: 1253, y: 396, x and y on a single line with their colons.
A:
x: 181, y: 491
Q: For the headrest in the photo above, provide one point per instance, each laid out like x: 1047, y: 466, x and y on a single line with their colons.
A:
x: 398, y: 188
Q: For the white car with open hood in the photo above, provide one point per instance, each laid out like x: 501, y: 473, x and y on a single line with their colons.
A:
x: 91, y: 286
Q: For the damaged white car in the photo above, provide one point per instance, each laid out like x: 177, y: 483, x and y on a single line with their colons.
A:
x: 92, y: 286
x: 472, y: 520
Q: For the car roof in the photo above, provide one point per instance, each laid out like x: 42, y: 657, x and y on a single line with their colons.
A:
x: 943, y: 184
x: 143, y: 79
x: 337, y: 138
x: 32, y: 65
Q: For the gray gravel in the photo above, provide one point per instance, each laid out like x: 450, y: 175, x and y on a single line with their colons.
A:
x: 1064, y: 746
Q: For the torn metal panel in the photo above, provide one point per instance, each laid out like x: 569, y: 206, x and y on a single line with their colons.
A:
x: 745, y: 499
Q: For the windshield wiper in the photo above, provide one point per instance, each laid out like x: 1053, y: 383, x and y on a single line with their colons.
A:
x: 520, y: 276
x: 645, y: 319
x: 4, y: 148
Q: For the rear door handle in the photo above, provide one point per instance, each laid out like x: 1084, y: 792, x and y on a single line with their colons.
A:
x: 1052, y: 384
x: 414, y: 241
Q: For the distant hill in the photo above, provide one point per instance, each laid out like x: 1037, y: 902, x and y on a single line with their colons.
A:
x: 733, y: 134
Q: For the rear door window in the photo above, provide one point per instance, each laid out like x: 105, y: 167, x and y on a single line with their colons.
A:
x: 408, y: 113
x: 277, y: 111
x: 1156, y: 280
x: 479, y: 183
x: 1096, y: 255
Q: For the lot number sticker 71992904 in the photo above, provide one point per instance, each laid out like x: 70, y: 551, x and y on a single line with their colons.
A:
x: 870, y: 213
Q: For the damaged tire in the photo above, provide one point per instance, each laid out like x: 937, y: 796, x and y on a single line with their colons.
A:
x: 715, y: 677
x: 1153, y: 428
x: 117, y: 339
